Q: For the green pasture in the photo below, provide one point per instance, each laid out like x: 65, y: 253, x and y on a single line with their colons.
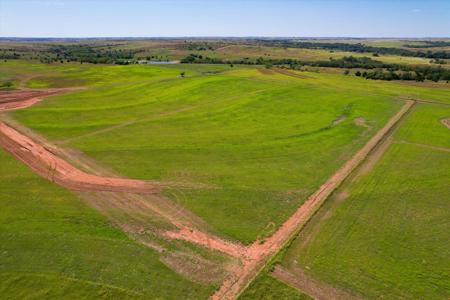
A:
x: 266, y: 287
x: 252, y: 145
x: 384, y: 234
x: 53, y: 246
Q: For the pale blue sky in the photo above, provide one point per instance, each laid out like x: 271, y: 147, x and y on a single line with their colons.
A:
x: 139, y: 18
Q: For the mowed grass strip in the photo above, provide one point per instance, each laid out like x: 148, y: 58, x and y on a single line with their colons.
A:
x: 385, y: 234
x: 53, y: 246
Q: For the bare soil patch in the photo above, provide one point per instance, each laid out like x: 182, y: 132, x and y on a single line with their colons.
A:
x: 361, y: 122
x: 11, y: 100
x: 44, y: 162
x: 446, y: 122
x: 200, y: 238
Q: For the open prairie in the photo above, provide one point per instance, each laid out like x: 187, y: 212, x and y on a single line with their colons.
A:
x: 189, y: 181
x: 385, y: 231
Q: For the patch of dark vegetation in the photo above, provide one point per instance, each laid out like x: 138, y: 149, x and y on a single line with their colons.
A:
x: 381, y: 71
x: 429, y: 44
x: 357, y: 47
x: 89, y: 54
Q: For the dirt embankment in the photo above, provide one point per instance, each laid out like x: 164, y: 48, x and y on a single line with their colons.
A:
x: 258, y: 253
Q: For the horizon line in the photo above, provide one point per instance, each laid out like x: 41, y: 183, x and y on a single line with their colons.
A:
x: 225, y: 36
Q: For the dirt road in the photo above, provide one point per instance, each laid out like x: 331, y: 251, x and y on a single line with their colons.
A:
x: 17, y: 99
x: 48, y: 165
x: 258, y: 254
x: 253, y: 258
x: 45, y: 159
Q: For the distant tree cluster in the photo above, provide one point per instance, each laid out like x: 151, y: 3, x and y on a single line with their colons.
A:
x: 358, y: 47
x: 381, y: 71
x: 9, y: 55
x: 429, y: 44
x: 87, y: 54
x: 197, y: 46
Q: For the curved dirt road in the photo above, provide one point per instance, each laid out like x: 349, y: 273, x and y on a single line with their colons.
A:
x: 44, y: 162
x: 48, y: 165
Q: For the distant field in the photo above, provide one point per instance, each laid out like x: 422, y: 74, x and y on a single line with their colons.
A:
x: 53, y: 246
x: 237, y: 131
x: 248, y: 138
x: 177, y: 49
x: 384, y: 234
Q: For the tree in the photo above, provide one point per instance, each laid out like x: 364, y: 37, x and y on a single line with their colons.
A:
x: 358, y: 73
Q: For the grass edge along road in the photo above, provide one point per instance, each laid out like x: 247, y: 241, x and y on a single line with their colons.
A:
x: 258, y: 254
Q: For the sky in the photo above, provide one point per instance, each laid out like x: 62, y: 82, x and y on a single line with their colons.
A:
x: 183, y: 18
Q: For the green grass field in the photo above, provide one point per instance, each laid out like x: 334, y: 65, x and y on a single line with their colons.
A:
x: 52, y: 246
x: 385, y: 234
x: 251, y: 145
x: 265, y: 287
x: 260, y: 141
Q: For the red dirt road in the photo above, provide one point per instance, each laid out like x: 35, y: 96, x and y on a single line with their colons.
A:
x: 206, y: 240
x: 11, y: 100
x: 253, y: 258
x: 44, y: 162
x: 50, y: 166
x: 258, y: 254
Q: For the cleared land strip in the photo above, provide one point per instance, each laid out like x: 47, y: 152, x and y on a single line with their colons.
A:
x: 258, y: 254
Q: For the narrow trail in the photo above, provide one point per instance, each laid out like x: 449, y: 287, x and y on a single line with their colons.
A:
x: 257, y: 254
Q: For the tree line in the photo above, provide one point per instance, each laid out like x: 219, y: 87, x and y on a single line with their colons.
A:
x: 359, y: 48
x: 375, y: 69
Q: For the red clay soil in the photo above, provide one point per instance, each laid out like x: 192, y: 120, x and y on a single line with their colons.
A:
x: 215, y: 243
x: 45, y: 162
x: 11, y: 100
x: 258, y: 254
x: 48, y: 165
x: 253, y: 258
